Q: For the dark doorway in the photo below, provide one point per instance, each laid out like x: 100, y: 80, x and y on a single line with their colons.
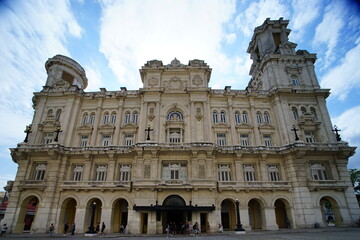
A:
x: 144, y: 221
x: 174, y: 215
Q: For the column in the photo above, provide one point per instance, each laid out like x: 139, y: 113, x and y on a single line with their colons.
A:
x: 270, y: 218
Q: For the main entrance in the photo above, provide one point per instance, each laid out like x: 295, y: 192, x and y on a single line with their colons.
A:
x: 174, y: 213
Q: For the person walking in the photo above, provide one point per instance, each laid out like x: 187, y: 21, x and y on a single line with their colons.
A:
x: 4, y: 229
x: 66, y: 228
x: 51, y: 229
x: 103, y: 228
x: 73, y: 226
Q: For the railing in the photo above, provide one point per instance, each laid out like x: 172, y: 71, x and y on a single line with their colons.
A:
x: 327, y: 184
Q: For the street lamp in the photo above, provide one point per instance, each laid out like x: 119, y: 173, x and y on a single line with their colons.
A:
x: 239, y: 227
x: 91, y: 228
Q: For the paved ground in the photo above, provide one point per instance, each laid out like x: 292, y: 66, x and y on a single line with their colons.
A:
x: 296, y: 234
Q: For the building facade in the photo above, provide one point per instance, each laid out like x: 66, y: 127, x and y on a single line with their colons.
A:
x: 178, y: 151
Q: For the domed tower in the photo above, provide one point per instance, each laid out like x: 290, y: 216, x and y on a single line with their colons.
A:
x: 64, y: 72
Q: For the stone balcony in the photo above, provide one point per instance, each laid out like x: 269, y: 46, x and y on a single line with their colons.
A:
x: 338, y: 185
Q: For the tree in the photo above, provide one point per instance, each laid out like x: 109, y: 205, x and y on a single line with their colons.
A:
x: 355, y: 180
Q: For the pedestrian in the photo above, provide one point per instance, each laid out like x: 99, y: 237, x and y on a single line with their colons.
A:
x: 66, y: 228
x: 4, y: 230
x: 97, y: 228
x: 51, y: 229
x: 122, y: 228
x: 221, y: 229
x: 103, y: 228
x: 196, y: 228
x: 73, y: 228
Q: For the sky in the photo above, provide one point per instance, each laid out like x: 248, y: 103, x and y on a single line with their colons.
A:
x: 112, y: 39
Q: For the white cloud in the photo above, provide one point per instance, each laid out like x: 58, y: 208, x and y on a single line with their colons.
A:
x: 344, y: 77
x: 328, y: 31
x: 94, y: 79
x: 135, y: 32
x: 257, y: 12
x: 305, y: 12
x: 230, y: 38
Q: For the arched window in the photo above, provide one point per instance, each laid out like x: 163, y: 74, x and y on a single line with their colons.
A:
x: 215, y: 117
x: 92, y: 118
x: 106, y: 118
x: 127, y: 117
x: 266, y: 117
x: 313, y: 112
x: 223, y: 116
x: 245, y: 117
x: 303, y: 110
x: 50, y: 113
x: 295, y: 113
x: 85, y: 119
x: 259, y: 117
x: 113, y: 117
x: 318, y: 171
x: 237, y: 117
x: 135, y: 117
x: 57, y: 115
x: 295, y: 80
x: 175, y: 116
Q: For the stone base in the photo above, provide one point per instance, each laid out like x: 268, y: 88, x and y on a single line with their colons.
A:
x: 239, y: 232
x: 90, y: 234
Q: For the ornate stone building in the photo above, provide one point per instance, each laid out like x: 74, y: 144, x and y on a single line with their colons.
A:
x: 179, y: 151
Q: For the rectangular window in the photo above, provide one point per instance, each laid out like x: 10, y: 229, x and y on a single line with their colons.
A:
x: 106, y: 118
x: 244, y: 140
x: 224, y: 173
x: 129, y: 139
x: 77, y: 172
x: 249, y: 173
x: 101, y: 173
x: 273, y: 171
x: 309, y: 137
x: 175, y: 135
x: 39, y: 172
x: 221, y: 139
x: 318, y: 172
x: 174, y: 171
x: 125, y: 173
x: 48, y: 138
x: 267, y: 140
x: 106, y: 140
x: 84, y: 140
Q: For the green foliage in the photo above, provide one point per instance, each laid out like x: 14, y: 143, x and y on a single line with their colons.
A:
x: 355, y: 179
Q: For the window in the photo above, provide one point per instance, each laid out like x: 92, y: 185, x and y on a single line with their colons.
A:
x: 106, y: 140
x: 313, y: 112
x: 135, y: 117
x: 259, y: 117
x: 84, y: 119
x: 125, y: 173
x: 77, y: 172
x: 224, y: 173
x: 40, y: 171
x: 221, y: 139
x: 174, y: 135
x: 295, y: 113
x: 309, y: 137
x: 274, y: 175
x: 57, y: 115
x: 244, y: 140
x: 267, y: 140
x: 223, y: 117
x: 84, y: 140
x: 266, y: 118
x: 48, y: 138
x: 244, y: 117
x: 129, y: 139
x: 318, y: 171
x: 175, y: 116
x: 50, y: 113
x: 106, y: 118
x: 237, y: 117
x: 92, y: 118
x: 101, y: 173
x: 295, y: 80
x: 113, y: 118
x: 127, y: 117
x: 303, y: 110
x: 215, y: 117
x: 249, y: 173
x: 174, y: 171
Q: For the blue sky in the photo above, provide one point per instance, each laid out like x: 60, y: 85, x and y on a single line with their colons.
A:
x: 113, y: 39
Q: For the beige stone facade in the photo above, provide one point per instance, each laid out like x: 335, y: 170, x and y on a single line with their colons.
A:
x: 179, y: 151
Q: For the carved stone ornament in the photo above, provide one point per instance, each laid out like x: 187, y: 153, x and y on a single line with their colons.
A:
x: 197, y: 80
x: 61, y: 85
x: 174, y: 83
x: 153, y: 82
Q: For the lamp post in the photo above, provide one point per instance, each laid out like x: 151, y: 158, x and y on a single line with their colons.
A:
x: 239, y: 227
x: 91, y: 228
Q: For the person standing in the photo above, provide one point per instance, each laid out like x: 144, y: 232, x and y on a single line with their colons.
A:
x: 51, y: 229
x: 103, y: 228
x: 73, y: 228
x: 66, y: 228
x: 3, y: 230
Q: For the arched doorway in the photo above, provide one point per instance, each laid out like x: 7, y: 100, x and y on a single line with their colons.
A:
x: 67, y: 214
x: 255, y: 214
x: 330, y: 211
x: 93, y: 203
x: 228, y: 217
x: 27, y: 214
x: 282, y: 218
x: 120, y: 215
x: 174, y: 212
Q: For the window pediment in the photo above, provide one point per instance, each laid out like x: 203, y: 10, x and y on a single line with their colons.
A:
x: 85, y: 129
x: 244, y: 126
x: 106, y: 128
